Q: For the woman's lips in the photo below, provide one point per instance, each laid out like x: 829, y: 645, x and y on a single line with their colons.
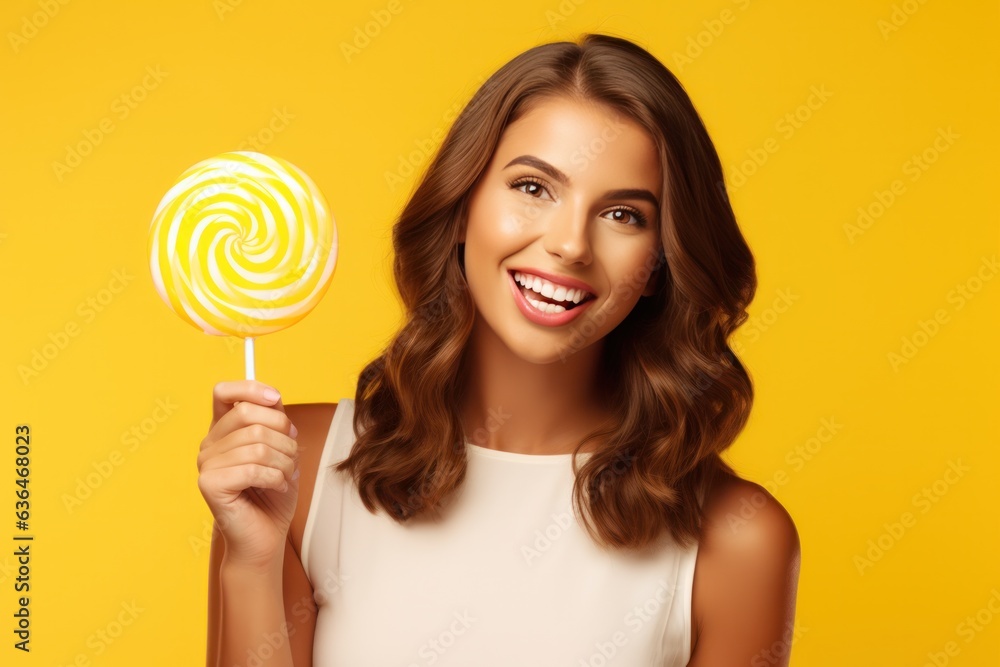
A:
x: 539, y: 317
x: 565, y: 281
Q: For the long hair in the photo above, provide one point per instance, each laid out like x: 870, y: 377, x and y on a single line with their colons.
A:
x: 680, y: 394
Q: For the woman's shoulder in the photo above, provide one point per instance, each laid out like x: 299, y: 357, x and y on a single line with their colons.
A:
x: 748, y: 556
x: 740, y: 513
x: 313, y: 423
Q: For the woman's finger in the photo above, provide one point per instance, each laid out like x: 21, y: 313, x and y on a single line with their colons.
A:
x: 225, y: 395
x: 253, y: 433
x: 256, y: 453
x: 244, y: 414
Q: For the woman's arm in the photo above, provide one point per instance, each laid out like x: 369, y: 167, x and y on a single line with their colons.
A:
x: 244, y: 607
x: 274, y: 609
x: 745, y: 580
x: 253, y: 627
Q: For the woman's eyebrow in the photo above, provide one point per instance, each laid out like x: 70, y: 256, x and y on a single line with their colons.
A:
x: 634, y: 193
x: 540, y: 165
x: 552, y: 172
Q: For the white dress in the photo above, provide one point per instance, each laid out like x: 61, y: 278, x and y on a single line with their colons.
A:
x: 508, y: 577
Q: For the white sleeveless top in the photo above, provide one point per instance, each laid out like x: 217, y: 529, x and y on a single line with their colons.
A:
x: 506, y: 577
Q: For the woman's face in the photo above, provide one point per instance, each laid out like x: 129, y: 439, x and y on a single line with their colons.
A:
x: 571, y: 201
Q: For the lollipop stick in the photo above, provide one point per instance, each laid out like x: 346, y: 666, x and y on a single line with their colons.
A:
x: 248, y: 353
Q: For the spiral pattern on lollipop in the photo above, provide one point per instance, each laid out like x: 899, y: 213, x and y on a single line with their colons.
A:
x: 243, y: 245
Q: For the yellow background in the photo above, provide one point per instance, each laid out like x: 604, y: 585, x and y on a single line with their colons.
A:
x: 892, y: 74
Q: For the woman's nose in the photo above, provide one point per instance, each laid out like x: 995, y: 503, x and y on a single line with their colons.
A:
x: 567, y: 234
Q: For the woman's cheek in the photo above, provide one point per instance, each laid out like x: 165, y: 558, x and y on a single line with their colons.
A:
x: 513, y: 223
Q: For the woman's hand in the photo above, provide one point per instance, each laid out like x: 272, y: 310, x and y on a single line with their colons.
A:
x: 248, y: 466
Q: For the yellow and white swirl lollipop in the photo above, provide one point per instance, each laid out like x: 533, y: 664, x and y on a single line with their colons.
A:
x: 243, y: 244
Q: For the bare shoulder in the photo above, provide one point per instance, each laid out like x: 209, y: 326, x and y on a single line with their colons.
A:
x: 743, y: 519
x: 746, y: 574
x: 313, y: 423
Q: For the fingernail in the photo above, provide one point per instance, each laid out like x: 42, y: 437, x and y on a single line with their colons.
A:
x: 295, y: 475
x: 271, y: 395
x: 294, y: 432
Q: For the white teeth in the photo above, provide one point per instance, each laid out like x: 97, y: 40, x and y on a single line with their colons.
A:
x: 548, y: 289
x: 545, y: 307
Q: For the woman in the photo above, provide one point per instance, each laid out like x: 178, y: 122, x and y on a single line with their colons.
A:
x: 530, y: 474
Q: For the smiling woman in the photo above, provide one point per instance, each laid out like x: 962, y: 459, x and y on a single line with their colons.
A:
x: 588, y: 230
x: 531, y: 472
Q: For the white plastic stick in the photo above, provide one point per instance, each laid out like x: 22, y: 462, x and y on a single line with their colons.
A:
x: 248, y: 353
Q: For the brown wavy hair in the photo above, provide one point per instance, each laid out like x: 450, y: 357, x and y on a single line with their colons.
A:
x: 680, y: 393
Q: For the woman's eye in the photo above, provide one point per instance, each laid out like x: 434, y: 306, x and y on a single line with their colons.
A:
x: 622, y: 214
x: 528, y: 186
x: 627, y: 216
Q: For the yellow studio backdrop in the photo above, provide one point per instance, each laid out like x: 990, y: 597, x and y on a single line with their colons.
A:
x: 859, y: 141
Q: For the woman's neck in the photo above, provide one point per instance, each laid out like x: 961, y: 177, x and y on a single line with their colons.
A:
x: 514, y: 405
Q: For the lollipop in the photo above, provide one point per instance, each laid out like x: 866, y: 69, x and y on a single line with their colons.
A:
x: 242, y: 245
